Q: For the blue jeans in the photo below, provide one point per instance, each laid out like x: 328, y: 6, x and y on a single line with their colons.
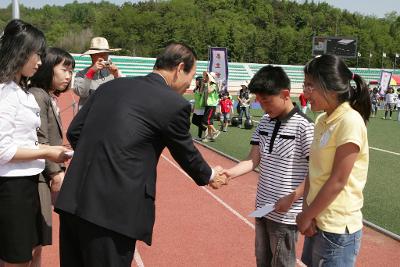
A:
x: 246, y: 112
x: 331, y: 250
x: 275, y: 244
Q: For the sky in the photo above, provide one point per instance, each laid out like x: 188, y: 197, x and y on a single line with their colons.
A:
x: 365, y: 7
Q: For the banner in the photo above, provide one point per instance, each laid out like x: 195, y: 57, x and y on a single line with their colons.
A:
x: 385, y: 81
x: 218, y: 63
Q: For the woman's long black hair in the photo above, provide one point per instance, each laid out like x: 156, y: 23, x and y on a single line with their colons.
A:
x: 19, y: 41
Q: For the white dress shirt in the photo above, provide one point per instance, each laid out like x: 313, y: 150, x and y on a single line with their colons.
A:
x: 19, y: 120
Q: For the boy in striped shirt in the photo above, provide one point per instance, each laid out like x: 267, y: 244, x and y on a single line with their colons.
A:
x: 280, y: 147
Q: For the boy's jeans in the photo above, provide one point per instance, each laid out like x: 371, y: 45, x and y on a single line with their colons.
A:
x: 331, y: 250
x: 275, y: 243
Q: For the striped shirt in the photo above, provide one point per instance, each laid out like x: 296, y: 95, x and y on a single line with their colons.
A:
x: 284, y: 149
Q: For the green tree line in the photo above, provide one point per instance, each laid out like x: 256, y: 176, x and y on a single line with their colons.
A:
x: 259, y: 31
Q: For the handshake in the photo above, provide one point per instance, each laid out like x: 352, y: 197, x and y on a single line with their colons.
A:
x: 221, y: 177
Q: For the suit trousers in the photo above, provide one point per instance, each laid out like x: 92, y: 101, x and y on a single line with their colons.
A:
x: 84, y: 244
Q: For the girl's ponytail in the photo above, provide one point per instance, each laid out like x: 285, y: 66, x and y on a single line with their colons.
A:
x: 360, y: 99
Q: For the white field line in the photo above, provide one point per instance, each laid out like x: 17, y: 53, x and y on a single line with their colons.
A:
x: 386, y: 151
x: 219, y: 200
x: 138, y: 259
x: 373, y: 148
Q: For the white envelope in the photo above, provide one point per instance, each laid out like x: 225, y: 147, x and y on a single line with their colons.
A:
x: 261, y: 212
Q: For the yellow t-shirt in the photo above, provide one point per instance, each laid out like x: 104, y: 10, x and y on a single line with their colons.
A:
x: 344, y: 125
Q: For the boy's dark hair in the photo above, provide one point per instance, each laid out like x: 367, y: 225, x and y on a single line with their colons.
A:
x: 269, y: 80
x: 43, y: 78
x: 173, y: 55
x: 19, y: 41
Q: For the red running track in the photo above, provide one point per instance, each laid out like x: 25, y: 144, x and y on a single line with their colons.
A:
x: 198, y: 226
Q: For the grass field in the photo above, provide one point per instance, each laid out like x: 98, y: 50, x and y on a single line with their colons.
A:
x: 382, y: 197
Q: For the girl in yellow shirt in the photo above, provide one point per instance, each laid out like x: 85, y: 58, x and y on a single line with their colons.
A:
x: 331, y: 217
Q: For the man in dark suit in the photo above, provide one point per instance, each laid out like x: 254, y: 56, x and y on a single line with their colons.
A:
x: 107, y: 200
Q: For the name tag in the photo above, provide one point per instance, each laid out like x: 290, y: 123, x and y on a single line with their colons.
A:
x: 326, y: 136
x: 324, y: 139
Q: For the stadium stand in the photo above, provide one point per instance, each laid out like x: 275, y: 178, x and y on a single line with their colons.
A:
x: 238, y: 72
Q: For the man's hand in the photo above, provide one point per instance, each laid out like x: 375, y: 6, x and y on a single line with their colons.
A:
x: 114, y: 70
x: 98, y: 65
x: 219, y: 179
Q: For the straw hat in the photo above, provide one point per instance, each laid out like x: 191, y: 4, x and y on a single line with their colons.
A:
x: 100, y: 45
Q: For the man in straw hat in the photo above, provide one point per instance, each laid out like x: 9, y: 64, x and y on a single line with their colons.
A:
x: 102, y: 70
x: 107, y: 200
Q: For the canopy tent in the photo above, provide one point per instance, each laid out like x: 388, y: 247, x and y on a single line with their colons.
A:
x: 395, y: 80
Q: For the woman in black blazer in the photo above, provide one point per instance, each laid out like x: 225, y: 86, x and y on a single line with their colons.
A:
x: 52, y: 78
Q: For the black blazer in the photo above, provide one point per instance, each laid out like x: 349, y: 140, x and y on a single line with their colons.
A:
x: 118, y: 137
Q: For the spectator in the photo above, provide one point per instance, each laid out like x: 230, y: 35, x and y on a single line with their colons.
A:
x: 303, y: 103
x: 101, y: 71
x: 198, y: 108
x: 374, y: 95
x: 389, y: 102
x: 244, y: 104
x: 398, y: 104
x: 211, y: 92
x: 226, y: 109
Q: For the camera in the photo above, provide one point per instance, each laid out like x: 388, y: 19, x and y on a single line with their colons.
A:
x: 107, y: 63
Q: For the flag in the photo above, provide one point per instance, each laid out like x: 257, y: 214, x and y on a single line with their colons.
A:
x: 384, y: 81
x: 359, y: 54
x: 383, y: 54
x: 218, y: 63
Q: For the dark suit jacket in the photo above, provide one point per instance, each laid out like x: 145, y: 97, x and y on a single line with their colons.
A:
x: 50, y: 131
x: 118, y: 137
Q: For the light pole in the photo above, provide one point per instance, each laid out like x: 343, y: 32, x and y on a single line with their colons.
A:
x: 383, y: 56
x: 15, y: 9
x: 369, y: 60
